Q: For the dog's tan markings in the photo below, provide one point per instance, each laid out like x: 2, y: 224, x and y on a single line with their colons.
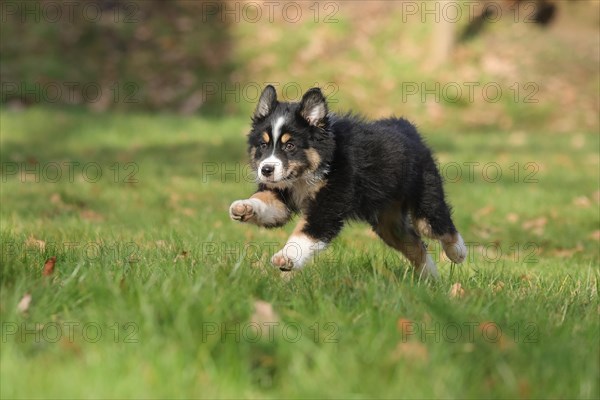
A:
x: 266, y: 137
x: 270, y: 199
x: 453, y: 243
x: 304, y: 191
x: 423, y: 227
x: 399, y: 234
x: 314, y: 159
x: 295, y: 168
x: 285, y: 138
x: 299, y: 227
x: 262, y: 209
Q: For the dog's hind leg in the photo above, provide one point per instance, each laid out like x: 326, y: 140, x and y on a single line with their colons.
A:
x: 396, y: 231
x: 431, y: 218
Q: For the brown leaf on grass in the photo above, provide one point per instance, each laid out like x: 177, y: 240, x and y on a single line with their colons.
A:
x: 411, y: 351
x: 582, y: 202
x: 536, y: 225
x: 457, y: 291
x: 524, y: 388
x: 498, y: 287
x: 33, y: 242
x: 568, y: 252
x: 49, y: 266
x: 482, y: 212
x: 512, y: 217
x: 492, y: 333
x: 404, y: 326
x: 69, y: 346
x: 263, y: 313
x: 188, y: 212
x: 56, y: 199
x: 595, y: 235
x: 181, y: 255
x: 91, y: 215
x: 23, y: 305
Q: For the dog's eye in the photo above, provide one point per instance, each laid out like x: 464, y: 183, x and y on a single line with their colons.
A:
x: 289, y: 146
x: 263, y: 145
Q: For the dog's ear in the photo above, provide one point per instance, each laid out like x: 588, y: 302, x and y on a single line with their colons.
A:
x: 266, y: 102
x: 313, y: 107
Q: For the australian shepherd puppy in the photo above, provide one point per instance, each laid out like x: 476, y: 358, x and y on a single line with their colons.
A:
x: 332, y: 169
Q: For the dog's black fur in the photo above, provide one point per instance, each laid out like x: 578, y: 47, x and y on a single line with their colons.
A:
x: 364, y: 170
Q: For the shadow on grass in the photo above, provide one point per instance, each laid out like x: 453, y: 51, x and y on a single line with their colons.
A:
x: 108, y: 139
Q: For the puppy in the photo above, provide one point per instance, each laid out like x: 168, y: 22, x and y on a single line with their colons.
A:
x: 333, y: 169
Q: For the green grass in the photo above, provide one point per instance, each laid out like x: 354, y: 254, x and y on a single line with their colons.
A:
x: 153, y: 261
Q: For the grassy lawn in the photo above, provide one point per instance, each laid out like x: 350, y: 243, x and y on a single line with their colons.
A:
x: 156, y: 293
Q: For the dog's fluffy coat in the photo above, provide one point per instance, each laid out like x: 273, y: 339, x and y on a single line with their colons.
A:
x: 336, y: 168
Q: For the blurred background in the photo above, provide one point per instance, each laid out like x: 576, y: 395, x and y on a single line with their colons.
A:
x: 122, y: 129
x: 477, y: 65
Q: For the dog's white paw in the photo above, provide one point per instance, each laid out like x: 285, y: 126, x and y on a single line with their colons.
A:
x: 299, y: 250
x: 281, y: 261
x: 457, y: 251
x: 241, y: 210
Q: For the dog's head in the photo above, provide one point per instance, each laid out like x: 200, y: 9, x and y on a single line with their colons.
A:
x: 290, y: 141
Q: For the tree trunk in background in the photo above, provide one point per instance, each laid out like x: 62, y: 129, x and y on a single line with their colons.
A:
x: 442, y: 39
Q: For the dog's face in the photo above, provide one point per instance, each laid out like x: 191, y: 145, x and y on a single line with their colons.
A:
x: 287, y: 140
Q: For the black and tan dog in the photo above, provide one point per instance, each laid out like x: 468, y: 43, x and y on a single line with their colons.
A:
x: 337, y: 168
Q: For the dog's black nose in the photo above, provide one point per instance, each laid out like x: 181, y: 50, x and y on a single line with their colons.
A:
x: 267, y: 170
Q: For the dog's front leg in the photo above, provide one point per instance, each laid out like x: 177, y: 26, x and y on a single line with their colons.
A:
x: 264, y: 208
x: 308, y: 239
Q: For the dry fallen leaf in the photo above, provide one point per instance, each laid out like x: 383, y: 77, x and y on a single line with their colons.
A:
x: 55, y: 199
x: 91, y: 215
x: 512, y: 217
x: 412, y: 351
x: 582, y: 201
x: 498, y: 287
x: 568, y: 252
x: 23, y: 305
x: 492, y: 333
x: 535, y: 225
x: 33, y: 242
x: 182, y: 255
x: 263, y: 313
x: 457, y: 291
x: 595, y: 235
x: 49, y: 266
x: 404, y: 326
x: 482, y: 212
